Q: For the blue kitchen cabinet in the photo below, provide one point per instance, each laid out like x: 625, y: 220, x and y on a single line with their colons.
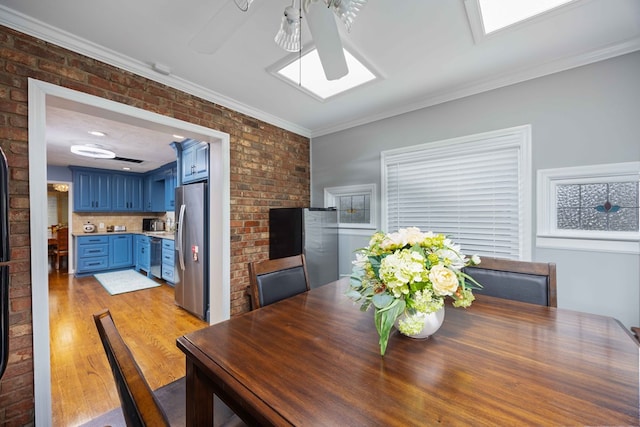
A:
x: 126, y: 192
x: 194, y: 161
x: 143, y: 253
x: 154, y: 193
x: 92, y: 254
x: 168, y: 260
x: 91, y: 190
x: 120, y: 251
x: 170, y: 182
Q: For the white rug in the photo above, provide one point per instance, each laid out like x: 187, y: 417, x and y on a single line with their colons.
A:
x: 119, y: 282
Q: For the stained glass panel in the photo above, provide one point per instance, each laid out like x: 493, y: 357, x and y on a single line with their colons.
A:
x: 602, y: 206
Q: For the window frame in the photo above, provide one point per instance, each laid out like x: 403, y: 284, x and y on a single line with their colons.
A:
x: 549, y: 236
x: 518, y: 136
x: 331, y: 195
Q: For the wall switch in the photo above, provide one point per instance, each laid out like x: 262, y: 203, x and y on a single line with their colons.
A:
x: 101, y: 225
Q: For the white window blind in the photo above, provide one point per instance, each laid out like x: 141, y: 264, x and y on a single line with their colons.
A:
x: 474, y: 189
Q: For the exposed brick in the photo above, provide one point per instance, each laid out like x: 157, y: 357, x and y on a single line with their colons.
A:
x: 269, y: 167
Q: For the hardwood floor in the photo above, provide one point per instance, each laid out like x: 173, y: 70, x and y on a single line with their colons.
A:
x: 82, y: 384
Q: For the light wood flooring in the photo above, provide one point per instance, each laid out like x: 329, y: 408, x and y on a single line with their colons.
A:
x: 82, y: 386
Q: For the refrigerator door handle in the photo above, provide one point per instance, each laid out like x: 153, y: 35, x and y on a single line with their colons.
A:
x: 180, y: 236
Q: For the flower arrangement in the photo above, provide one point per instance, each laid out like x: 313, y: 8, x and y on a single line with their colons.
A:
x: 410, y: 273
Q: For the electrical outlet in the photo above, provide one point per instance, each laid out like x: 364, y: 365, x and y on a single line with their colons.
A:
x: 101, y: 225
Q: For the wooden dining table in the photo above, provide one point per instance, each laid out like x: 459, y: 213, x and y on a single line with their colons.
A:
x: 314, y: 360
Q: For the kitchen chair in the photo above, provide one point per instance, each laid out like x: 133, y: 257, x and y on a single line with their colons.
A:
x: 276, y: 279
x: 140, y: 405
x: 61, y: 248
x: 532, y: 282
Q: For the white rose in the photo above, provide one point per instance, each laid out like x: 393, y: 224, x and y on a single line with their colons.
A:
x: 445, y: 281
x: 392, y: 240
x: 411, y: 236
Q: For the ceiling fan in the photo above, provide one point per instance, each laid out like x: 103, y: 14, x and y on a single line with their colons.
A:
x: 320, y: 19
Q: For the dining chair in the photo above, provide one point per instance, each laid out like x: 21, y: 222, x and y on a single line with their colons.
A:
x: 140, y: 405
x: 636, y: 332
x: 532, y: 282
x: 61, y: 248
x: 276, y: 279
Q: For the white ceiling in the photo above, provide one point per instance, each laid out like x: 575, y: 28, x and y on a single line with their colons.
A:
x: 424, y: 50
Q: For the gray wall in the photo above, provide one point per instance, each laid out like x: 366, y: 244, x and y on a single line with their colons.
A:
x: 585, y: 116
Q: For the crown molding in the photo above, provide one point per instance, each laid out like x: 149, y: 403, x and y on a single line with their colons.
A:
x: 41, y: 30
x: 484, y: 85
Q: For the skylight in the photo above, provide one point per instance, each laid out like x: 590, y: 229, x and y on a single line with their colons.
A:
x: 498, y: 14
x: 314, y: 81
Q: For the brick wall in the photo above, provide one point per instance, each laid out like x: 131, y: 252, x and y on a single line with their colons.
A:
x: 269, y: 168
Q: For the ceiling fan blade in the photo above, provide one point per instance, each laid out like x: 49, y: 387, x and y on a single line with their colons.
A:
x: 226, y: 21
x: 324, y: 32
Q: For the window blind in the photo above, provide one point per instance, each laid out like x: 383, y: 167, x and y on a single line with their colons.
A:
x: 471, y: 190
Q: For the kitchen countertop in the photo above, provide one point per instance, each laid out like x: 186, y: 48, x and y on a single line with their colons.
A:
x: 161, y: 234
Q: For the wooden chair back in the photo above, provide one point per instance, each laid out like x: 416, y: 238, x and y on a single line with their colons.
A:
x: 276, y: 279
x: 139, y: 405
x: 61, y: 248
x: 533, y: 282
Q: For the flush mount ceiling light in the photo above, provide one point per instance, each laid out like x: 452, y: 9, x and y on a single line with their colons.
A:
x: 320, y: 17
x: 63, y: 188
x: 97, y: 133
x: 91, y: 150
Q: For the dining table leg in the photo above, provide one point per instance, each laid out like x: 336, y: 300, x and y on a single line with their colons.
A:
x: 199, y: 397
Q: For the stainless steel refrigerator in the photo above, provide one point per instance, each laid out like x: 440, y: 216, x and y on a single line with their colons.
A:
x: 4, y: 263
x: 310, y: 231
x: 191, y: 245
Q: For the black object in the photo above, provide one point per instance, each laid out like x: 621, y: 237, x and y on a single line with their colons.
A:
x: 5, y: 256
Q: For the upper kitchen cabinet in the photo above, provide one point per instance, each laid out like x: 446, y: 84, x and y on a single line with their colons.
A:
x: 170, y: 182
x: 92, y: 190
x: 126, y: 191
x: 154, y: 192
x: 194, y: 161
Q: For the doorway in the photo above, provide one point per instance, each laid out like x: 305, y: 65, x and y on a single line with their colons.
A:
x: 58, y: 218
x: 40, y: 95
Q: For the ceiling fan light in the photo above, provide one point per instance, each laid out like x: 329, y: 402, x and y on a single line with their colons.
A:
x: 347, y: 10
x: 92, y: 151
x: 288, y: 37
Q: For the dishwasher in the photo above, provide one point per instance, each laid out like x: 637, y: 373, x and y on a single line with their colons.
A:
x: 156, y: 257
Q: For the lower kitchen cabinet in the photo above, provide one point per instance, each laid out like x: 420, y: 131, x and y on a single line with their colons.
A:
x: 92, y: 254
x: 143, y: 253
x: 121, y: 251
x: 168, y: 260
x: 99, y: 253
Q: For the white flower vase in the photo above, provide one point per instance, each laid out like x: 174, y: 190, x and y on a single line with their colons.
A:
x: 432, y: 323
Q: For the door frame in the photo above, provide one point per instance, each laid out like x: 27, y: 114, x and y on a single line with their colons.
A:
x: 42, y: 93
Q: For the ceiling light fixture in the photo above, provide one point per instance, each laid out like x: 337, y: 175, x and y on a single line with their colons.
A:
x: 97, y: 133
x: 91, y: 150
x: 288, y: 37
x: 63, y: 188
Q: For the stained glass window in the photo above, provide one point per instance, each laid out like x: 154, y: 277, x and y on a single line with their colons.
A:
x: 354, y: 209
x: 605, y: 206
x: 355, y: 205
x: 595, y: 207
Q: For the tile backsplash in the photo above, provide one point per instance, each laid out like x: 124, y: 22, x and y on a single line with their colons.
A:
x: 132, y: 221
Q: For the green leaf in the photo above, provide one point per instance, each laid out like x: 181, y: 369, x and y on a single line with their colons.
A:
x: 474, y: 284
x: 384, y: 320
x: 353, y: 294
x: 381, y: 301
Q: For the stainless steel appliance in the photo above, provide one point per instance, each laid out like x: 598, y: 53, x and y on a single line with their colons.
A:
x: 4, y: 263
x: 191, y: 270
x: 152, y: 224
x: 156, y: 257
x: 311, y: 231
